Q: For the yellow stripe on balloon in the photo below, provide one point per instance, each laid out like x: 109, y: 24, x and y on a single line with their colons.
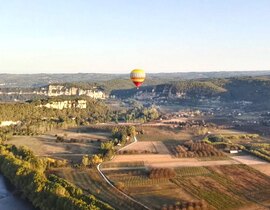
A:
x: 137, y: 79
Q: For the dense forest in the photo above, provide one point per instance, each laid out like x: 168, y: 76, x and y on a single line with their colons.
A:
x: 249, y: 89
x: 95, y: 111
x: 197, y: 88
x: 33, y: 119
x: 244, y: 88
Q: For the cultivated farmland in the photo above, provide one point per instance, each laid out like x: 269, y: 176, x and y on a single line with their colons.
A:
x: 91, y: 181
x: 220, y: 187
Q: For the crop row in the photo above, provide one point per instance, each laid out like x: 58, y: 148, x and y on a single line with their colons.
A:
x: 214, y: 197
x: 191, y: 171
x: 130, y: 181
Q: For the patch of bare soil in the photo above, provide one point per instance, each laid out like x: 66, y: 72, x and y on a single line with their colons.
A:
x: 149, y: 147
x: 249, y: 160
x: 264, y: 168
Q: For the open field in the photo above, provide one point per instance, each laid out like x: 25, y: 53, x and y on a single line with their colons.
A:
x: 84, y: 133
x: 171, y: 108
x: 239, y: 137
x: 222, y: 187
x: 235, y: 132
x: 163, y: 133
x: 72, y: 148
x: 46, y: 145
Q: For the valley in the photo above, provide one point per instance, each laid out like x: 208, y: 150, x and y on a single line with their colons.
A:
x: 186, y: 145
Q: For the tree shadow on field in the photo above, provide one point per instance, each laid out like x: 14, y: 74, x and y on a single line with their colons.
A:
x: 176, y: 130
x: 171, y: 144
x: 89, y: 129
x: 65, y: 150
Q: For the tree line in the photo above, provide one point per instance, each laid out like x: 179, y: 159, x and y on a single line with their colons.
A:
x: 121, y: 135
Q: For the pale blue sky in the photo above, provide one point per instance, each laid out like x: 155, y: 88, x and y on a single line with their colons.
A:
x: 69, y: 36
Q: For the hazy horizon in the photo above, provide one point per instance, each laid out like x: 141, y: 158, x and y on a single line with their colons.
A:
x: 118, y: 36
x: 169, y: 72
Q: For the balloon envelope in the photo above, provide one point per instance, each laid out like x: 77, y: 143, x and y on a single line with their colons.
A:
x: 137, y: 76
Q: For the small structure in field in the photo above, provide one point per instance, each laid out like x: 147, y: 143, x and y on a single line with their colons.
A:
x: 234, y: 151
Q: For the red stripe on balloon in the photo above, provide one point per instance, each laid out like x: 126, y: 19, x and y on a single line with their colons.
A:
x: 137, y: 84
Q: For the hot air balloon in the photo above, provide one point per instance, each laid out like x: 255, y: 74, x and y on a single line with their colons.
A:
x: 137, y: 76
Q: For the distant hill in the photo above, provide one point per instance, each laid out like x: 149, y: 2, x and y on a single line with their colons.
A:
x: 253, y: 89
x: 38, y: 80
x: 158, y: 88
